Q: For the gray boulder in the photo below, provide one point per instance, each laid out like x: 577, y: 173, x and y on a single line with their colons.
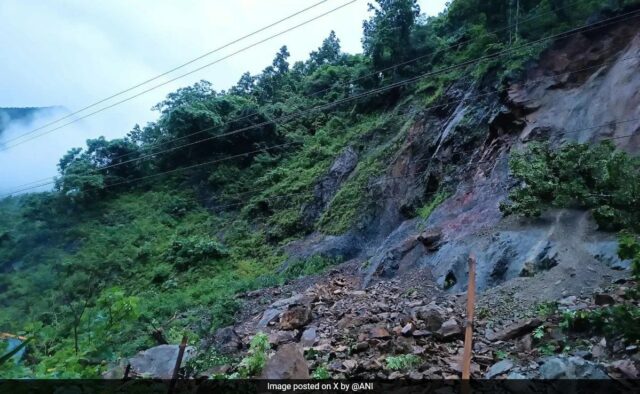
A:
x: 571, y: 368
x: 287, y: 363
x: 159, y: 362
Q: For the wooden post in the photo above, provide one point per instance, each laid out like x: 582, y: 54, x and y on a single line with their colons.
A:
x: 127, y: 370
x: 468, y: 335
x: 176, y: 369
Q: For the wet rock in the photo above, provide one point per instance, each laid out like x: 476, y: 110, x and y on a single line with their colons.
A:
x: 268, y: 316
x: 568, y: 301
x: 571, y: 368
x: 499, y: 368
x: 432, y: 315
x: 379, y: 333
x: 361, y: 346
x: 627, y: 368
x: 524, y: 344
x: 515, y: 330
x: 328, y: 185
x: 349, y: 365
x: 159, y: 361
x: 516, y: 376
x: 415, y: 375
x: 309, y: 337
x: 296, y: 316
x: 226, y: 340
x: 603, y: 299
x: 287, y: 363
x: 421, y: 333
x: 431, y: 239
x: 407, y: 330
x: 450, y: 330
x: 279, y: 337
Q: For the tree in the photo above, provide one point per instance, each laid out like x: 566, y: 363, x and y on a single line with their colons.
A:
x: 199, y: 92
x: 329, y: 52
x: 387, y: 34
x: 245, y: 85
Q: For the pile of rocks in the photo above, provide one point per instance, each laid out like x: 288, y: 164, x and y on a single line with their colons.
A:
x: 351, y: 332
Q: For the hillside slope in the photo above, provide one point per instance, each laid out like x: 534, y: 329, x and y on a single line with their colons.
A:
x: 344, y: 194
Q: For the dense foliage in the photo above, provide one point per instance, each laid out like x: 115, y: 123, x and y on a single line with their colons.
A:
x: 150, y: 236
x: 602, y: 179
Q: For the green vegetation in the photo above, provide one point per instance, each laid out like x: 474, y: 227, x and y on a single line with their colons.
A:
x: 599, y: 178
x: 403, y: 362
x: 425, y: 211
x: 321, y: 373
x: 253, y: 364
x: 123, y: 255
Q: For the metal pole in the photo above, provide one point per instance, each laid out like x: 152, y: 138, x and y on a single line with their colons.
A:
x: 468, y: 335
x: 176, y: 369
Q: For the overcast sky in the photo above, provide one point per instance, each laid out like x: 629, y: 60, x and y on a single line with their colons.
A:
x: 75, y: 52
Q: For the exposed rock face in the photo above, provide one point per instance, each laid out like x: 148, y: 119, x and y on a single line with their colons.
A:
x: 159, y: 362
x: 328, y: 185
x: 287, y: 363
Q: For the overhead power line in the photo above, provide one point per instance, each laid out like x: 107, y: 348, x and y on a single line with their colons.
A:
x: 567, y: 33
x: 154, y: 87
x: 169, y: 71
x: 374, y: 73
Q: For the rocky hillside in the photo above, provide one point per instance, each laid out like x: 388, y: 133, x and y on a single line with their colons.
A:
x: 317, y: 219
x: 407, y: 297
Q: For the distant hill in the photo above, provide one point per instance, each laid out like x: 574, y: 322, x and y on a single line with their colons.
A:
x: 23, y: 115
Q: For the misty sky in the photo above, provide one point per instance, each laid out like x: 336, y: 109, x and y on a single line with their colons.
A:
x: 74, y: 52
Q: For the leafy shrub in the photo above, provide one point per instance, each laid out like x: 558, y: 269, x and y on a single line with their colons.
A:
x: 253, y: 364
x: 223, y: 312
x: 403, y: 362
x: 617, y: 320
x: 185, y: 253
x: 425, y: 211
x: 577, y: 175
x: 321, y: 373
x: 313, y: 265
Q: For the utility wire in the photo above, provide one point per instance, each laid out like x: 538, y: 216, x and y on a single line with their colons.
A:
x: 170, y: 71
x: 379, y: 182
x: 567, y: 33
x: 531, y: 82
x: 296, y: 115
x: 179, y: 76
x: 350, y: 82
x: 450, y: 102
x: 372, y: 74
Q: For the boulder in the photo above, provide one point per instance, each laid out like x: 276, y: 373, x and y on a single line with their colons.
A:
x: 226, y: 340
x: 159, y: 362
x: 408, y: 329
x: 514, y: 330
x: 603, y: 299
x: 499, y: 368
x: 571, y: 368
x: 450, y: 329
x: 430, y: 239
x: 287, y: 363
x: 296, y: 316
x: 432, y: 315
x: 279, y: 337
x: 268, y: 316
x: 379, y: 333
x: 309, y: 337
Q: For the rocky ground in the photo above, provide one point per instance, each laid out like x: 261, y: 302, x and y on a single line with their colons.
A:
x: 331, y: 323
